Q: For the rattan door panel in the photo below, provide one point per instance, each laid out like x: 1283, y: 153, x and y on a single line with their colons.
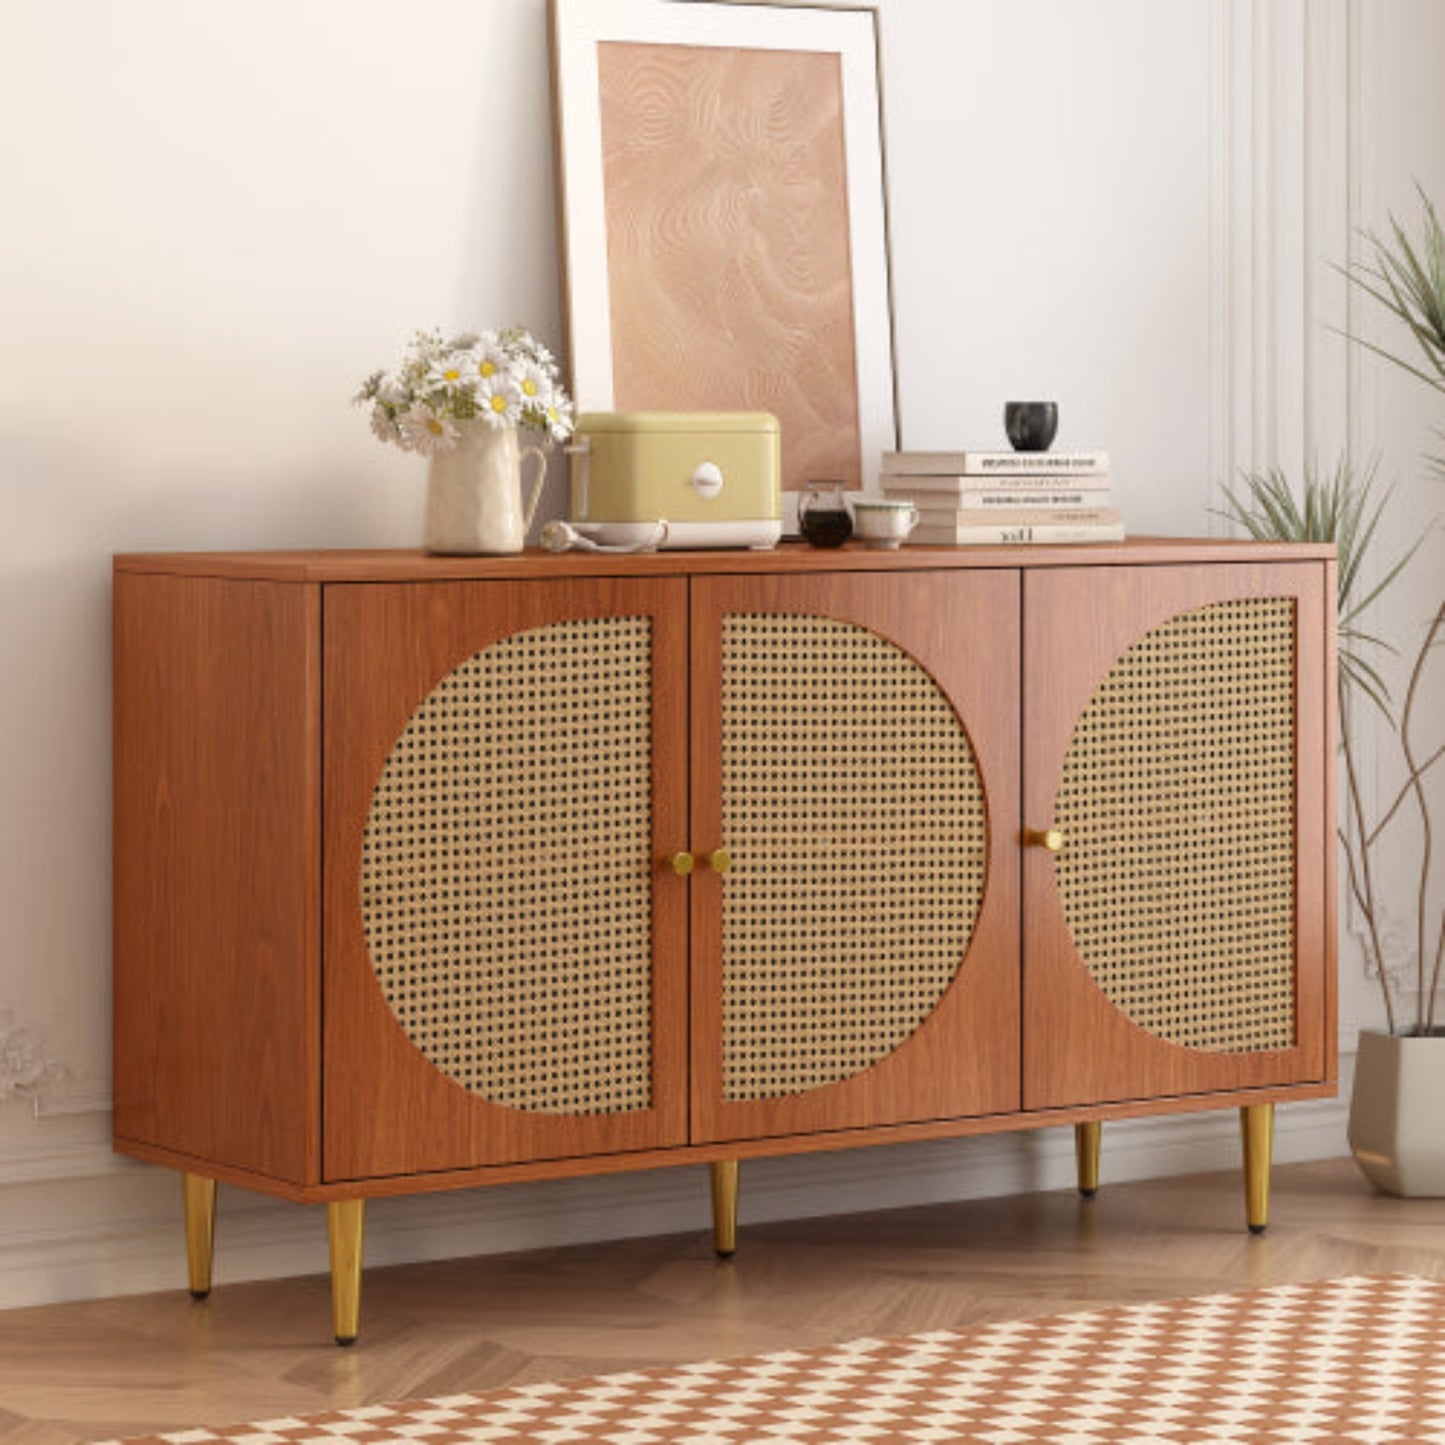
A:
x: 1175, y: 735
x: 856, y: 750
x: 505, y: 969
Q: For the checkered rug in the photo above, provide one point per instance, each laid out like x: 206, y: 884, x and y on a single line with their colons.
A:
x: 1339, y: 1360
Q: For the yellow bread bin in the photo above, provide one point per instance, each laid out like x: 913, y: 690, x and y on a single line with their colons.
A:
x: 712, y: 476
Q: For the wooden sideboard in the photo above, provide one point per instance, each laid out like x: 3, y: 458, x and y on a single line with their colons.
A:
x: 438, y: 872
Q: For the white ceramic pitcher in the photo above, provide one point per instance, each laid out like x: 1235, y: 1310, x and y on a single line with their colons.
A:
x: 474, y: 493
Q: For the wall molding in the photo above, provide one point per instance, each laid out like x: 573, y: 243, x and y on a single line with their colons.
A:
x: 86, y: 1160
x: 1293, y: 175
x: 81, y: 1223
x: 1281, y: 215
x: 53, y: 1106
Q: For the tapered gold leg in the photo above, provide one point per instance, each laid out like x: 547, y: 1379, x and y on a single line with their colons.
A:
x: 199, y: 1194
x: 1256, y: 1122
x: 725, y: 1207
x: 345, y: 1224
x: 1087, y: 1138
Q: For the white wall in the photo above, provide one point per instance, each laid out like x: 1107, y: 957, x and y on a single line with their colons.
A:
x: 1400, y: 142
x: 1048, y: 244
x: 219, y: 217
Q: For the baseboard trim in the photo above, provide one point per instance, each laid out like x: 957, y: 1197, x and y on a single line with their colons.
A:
x: 77, y: 1223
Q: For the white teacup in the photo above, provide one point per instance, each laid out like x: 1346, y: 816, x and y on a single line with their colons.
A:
x: 883, y: 522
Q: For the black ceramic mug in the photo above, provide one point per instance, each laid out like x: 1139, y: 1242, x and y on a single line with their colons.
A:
x: 1031, y: 424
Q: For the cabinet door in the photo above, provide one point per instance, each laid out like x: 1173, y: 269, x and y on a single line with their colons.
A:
x: 1175, y: 734
x: 505, y: 970
x: 855, y: 752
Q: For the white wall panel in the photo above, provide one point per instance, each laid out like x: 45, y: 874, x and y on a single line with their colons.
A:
x: 1050, y: 179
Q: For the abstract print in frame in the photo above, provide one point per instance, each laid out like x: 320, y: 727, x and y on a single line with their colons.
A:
x: 723, y: 220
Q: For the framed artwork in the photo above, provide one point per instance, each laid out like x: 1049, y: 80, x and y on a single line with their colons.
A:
x: 723, y: 220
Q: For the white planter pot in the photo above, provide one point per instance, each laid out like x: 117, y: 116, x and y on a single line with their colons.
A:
x: 474, y: 493
x: 1397, y: 1113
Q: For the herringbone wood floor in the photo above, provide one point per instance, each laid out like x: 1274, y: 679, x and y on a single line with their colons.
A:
x: 158, y: 1362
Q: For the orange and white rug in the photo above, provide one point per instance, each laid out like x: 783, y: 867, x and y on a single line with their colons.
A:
x: 1357, y: 1360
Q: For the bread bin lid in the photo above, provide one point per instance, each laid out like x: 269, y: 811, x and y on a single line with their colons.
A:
x: 677, y: 421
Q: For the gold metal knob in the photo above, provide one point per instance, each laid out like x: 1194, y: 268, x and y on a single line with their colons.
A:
x: 680, y: 863
x: 1050, y: 838
x: 719, y: 860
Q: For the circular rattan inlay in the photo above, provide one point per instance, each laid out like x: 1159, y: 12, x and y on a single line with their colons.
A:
x: 854, y: 814
x: 1177, y: 809
x: 506, y: 870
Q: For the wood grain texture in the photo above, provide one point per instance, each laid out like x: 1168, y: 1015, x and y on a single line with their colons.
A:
x: 963, y: 1060
x: 1329, y: 707
x: 234, y: 1091
x: 1078, y: 1047
x: 388, y: 1109
x: 400, y: 564
x: 762, y: 1147
x: 729, y: 269
x: 216, y: 923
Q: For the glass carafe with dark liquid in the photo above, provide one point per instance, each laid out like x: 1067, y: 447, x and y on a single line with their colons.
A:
x: 823, y: 517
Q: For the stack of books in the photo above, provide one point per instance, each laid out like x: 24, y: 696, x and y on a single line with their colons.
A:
x: 1005, y: 497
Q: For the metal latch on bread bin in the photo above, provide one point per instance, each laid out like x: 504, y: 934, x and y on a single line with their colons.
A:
x: 707, y: 480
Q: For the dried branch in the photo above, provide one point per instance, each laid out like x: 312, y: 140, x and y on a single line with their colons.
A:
x: 1407, y: 279
x: 1361, y: 878
x: 1403, y: 794
x: 1372, y: 944
x: 1426, y: 1002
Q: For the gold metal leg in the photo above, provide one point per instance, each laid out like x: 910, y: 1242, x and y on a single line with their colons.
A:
x: 1087, y: 1138
x: 1256, y: 1123
x: 199, y: 1194
x: 345, y: 1225
x: 725, y: 1207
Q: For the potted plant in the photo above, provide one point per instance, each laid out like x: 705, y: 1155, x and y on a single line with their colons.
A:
x: 1395, y: 1130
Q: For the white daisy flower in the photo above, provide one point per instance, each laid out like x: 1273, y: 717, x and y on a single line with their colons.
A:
x: 503, y: 376
x: 534, y: 384
x: 499, y: 401
x: 452, y: 370
x: 489, y: 359
x: 423, y: 431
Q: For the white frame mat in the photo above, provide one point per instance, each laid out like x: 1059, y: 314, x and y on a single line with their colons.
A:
x: 577, y: 27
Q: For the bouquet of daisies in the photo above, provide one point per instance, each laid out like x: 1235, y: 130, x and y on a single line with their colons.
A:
x: 498, y: 378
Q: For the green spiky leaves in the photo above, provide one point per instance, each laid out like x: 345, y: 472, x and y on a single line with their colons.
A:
x: 1340, y: 506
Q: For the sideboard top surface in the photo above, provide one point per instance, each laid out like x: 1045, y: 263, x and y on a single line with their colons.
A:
x: 412, y: 565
